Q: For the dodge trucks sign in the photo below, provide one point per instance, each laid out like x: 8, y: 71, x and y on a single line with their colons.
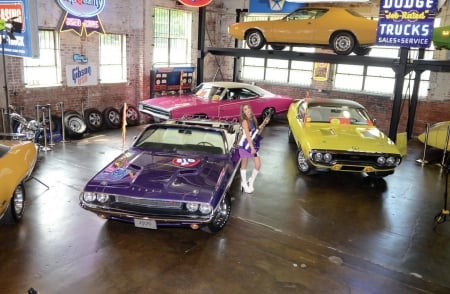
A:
x: 406, y: 23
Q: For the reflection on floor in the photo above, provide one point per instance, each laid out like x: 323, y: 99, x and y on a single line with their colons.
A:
x: 327, y: 233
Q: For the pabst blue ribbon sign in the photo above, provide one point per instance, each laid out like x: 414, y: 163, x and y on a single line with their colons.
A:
x: 406, y: 23
x: 195, y: 3
x: 82, y: 15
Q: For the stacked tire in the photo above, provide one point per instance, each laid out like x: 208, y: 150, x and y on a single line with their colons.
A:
x: 94, y: 120
x: 74, y: 124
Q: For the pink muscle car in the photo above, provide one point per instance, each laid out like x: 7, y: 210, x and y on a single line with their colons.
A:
x: 216, y: 100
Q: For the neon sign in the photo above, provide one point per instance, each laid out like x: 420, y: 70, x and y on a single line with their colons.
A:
x: 82, y: 15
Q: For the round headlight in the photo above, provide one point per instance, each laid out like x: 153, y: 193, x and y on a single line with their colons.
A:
x: 390, y: 160
x: 89, y: 196
x: 327, y: 157
x: 381, y: 160
x: 318, y: 156
x: 102, y: 198
x: 191, y: 207
x: 205, y: 208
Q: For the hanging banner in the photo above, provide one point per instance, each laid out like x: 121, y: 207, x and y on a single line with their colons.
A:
x: 26, y: 42
x: 320, y: 72
x: 81, y: 75
x: 406, y: 23
x: 195, y: 3
x: 82, y: 15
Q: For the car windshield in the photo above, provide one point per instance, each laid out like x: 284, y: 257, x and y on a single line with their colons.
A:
x: 181, y: 139
x: 209, y: 92
x: 338, y: 114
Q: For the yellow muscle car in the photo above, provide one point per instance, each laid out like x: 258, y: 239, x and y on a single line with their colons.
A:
x: 339, y: 135
x: 340, y: 29
x: 17, y: 161
x: 437, y: 135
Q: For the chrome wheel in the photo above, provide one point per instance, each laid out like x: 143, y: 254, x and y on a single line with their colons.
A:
x: 302, y: 163
x: 222, y: 215
x: 255, y: 39
x: 16, y: 208
x: 343, y: 43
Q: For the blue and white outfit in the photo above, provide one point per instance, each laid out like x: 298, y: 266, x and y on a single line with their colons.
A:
x: 243, y: 153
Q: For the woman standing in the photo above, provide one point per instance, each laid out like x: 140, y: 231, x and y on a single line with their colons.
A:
x: 248, y: 146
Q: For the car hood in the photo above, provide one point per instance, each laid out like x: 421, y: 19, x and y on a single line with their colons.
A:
x: 161, y: 176
x: 349, y: 138
x: 170, y: 103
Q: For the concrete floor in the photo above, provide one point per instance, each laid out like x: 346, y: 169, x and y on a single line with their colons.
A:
x: 328, y: 233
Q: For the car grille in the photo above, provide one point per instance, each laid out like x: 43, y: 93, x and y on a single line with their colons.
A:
x: 156, y: 111
x: 147, y: 202
x: 354, y: 161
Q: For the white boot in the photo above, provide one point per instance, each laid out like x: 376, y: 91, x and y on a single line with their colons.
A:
x: 252, y: 179
x: 244, y: 184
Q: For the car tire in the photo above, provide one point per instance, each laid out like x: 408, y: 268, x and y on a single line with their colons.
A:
x: 268, y: 112
x: 277, y: 47
x: 362, y: 50
x: 302, y: 162
x: 112, y: 118
x: 16, y: 208
x: 255, y: 39
x: 221, y: 216
x: 74, y: 125
x: 93, y: 119
x: 133, y: 115
x: 291, y: 138
x: 342, y: 43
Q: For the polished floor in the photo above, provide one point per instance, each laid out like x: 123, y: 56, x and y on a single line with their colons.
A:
x: 327, y: 233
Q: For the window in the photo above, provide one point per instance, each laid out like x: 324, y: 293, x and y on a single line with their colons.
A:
x: 379, y: 80
x: 171, y: 37
x: 46, y: 70
x: 113, y: 58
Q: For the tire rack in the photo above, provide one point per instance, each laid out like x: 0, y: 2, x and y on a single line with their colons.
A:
x: 43, y: 112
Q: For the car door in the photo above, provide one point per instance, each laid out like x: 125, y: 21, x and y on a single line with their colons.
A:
x: 297, y: 27
x: 230, y: 105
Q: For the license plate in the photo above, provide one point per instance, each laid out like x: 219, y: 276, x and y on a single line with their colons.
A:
x: 145, y: 223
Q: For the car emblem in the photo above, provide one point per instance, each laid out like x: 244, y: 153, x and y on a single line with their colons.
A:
x: 185, y: 162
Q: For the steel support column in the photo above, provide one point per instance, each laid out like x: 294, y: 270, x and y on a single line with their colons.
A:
x: 414, y: 97
x: 201, y: 44
x: 400, y: 73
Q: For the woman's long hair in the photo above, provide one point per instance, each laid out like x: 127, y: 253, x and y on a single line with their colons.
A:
x: 243, y: 117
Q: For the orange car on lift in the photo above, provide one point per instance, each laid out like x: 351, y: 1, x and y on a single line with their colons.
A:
x: 340, y: 29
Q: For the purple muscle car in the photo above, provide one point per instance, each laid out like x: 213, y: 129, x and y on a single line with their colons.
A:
x: 176, y: 173
x: 217, y: 100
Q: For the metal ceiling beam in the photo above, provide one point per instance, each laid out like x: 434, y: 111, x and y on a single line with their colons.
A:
x: 304, y: 56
